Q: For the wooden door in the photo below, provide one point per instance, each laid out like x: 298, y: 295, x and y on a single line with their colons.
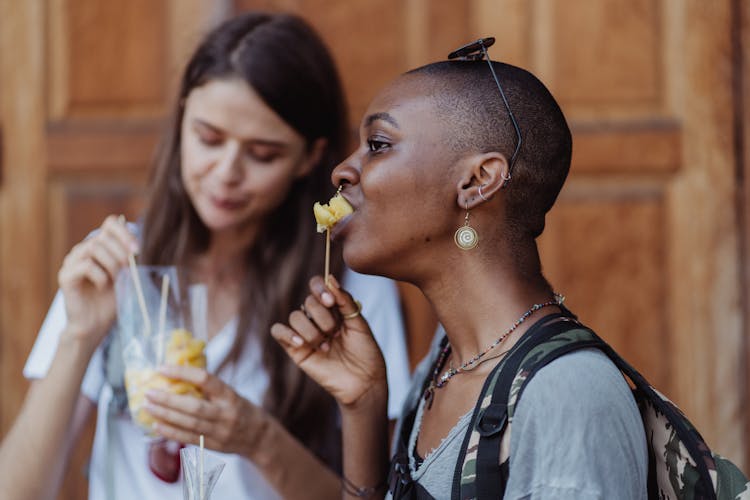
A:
x: 86, y: 85
x: 645, y: 239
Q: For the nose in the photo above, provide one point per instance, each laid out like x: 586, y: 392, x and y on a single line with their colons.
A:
x: 346, y: 172
x: 229, y: 165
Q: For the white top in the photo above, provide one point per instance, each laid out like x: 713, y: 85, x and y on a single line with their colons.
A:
x: 240, y: 478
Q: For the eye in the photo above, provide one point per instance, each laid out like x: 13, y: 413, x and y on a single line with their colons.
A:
x: 263, y: 154
x: 208, y: 138
x: 209, y: 141
x: 376, y: 145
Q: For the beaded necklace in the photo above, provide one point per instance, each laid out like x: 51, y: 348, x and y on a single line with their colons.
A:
x: 436, y: 383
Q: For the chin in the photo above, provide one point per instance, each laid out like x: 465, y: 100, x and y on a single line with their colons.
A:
x: 363, y: 259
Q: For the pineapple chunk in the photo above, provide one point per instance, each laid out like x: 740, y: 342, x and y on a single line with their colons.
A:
x: 328, y: 215
x: 182, y: 349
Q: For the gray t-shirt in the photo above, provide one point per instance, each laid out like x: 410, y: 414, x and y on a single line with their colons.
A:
x: 576, y: 434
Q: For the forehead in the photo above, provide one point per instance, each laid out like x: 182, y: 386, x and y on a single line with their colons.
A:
x: 407, y: 99
x: 234, y: 106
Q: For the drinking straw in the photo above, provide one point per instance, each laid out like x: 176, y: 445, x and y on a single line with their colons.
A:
x: 137, y: 282
x: 200, y: 472
x: 162, y: 316
x: 139, y: 294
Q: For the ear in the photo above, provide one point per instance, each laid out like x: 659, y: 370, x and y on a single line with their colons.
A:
x: 487, y: 171
x: 313, y: 157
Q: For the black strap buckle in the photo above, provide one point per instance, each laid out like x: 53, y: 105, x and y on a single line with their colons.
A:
x: 492, y: 420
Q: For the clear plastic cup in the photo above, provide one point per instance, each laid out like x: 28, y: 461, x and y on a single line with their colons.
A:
x: 160, y: 321
x: 199, y: 476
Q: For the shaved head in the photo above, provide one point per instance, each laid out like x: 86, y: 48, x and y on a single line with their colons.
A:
x: 477, y: 121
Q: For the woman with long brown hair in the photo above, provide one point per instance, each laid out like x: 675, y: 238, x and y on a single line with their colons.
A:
x: 259, y: 123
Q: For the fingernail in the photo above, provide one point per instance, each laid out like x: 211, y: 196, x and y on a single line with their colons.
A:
x: 297, y: 340
x: 134, y: 248
x: 325, y: 347
x: 121, y: 219
x: 327, y: 299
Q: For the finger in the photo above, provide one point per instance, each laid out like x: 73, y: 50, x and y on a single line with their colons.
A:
x: 175, y: 433
x: 293, y: 344
x: 320, y: 315
x: 178, y: 419
x: 116, y: 226
x: 83, y: 270
x: 320, y: 290
x: 115, y: 247
x: 102, y: 256
x: 306, y: 329
x: 347, y: 306
x: 209, y: 384
x: 181, y: 403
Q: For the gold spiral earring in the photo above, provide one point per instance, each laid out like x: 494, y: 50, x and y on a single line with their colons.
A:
x: 466, y: 237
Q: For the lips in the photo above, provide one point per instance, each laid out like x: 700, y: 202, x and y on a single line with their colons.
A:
x: 339, y: 227
x: 227, y: 203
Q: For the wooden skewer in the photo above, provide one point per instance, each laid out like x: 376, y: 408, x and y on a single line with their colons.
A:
x: 328, y: 254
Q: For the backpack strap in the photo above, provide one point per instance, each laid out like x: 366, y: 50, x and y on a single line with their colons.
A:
x: 400, y: 483
x: 584, y: 338
x: 478, y: 474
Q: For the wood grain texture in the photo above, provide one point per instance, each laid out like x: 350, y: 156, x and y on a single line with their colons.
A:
x: 23, y: 222
x: 742, y: 110
x: 606, y: 52
x: 106, y: 146
x: 613, y: 147
x: 604, y: 250
x: 108, y: 57
x: 704, y: 300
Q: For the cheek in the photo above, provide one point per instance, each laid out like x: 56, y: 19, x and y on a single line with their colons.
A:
x: 270, y: 183
x: 194, y: 162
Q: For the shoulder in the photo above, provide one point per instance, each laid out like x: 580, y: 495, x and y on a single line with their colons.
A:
x: 586, y: 377
x: 576, y: 424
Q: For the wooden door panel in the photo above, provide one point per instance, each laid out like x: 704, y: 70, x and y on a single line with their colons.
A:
x: 603, y: 249
x: 107, y: 58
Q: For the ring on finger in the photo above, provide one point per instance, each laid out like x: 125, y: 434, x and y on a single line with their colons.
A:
x: 355, y: 313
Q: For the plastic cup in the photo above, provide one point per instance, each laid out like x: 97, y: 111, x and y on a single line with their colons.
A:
x: 166, y: 326
x: 197, y: 486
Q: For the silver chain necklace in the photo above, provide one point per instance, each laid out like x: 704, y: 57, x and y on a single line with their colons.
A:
x: 437, y: 383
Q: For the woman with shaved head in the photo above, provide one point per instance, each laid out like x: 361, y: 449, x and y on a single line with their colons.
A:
x: 458, y: 163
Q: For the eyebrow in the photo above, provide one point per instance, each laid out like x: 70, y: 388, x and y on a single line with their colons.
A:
x: 381, y: 116
x: 263, y: 142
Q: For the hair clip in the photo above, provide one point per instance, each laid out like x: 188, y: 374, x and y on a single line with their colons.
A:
x: 474, y: 51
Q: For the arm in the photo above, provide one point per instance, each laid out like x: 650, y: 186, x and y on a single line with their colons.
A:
x: 34, y: 454
x: 364, y: 427
x: 232, y: 424
x: 38, y: 446
x: 348, y: 364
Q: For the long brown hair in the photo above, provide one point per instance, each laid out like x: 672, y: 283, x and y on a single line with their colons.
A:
x: 288, y: 65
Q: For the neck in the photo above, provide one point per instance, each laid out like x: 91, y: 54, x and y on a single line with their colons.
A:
x: 224, y: 260
x: 477, y: 301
